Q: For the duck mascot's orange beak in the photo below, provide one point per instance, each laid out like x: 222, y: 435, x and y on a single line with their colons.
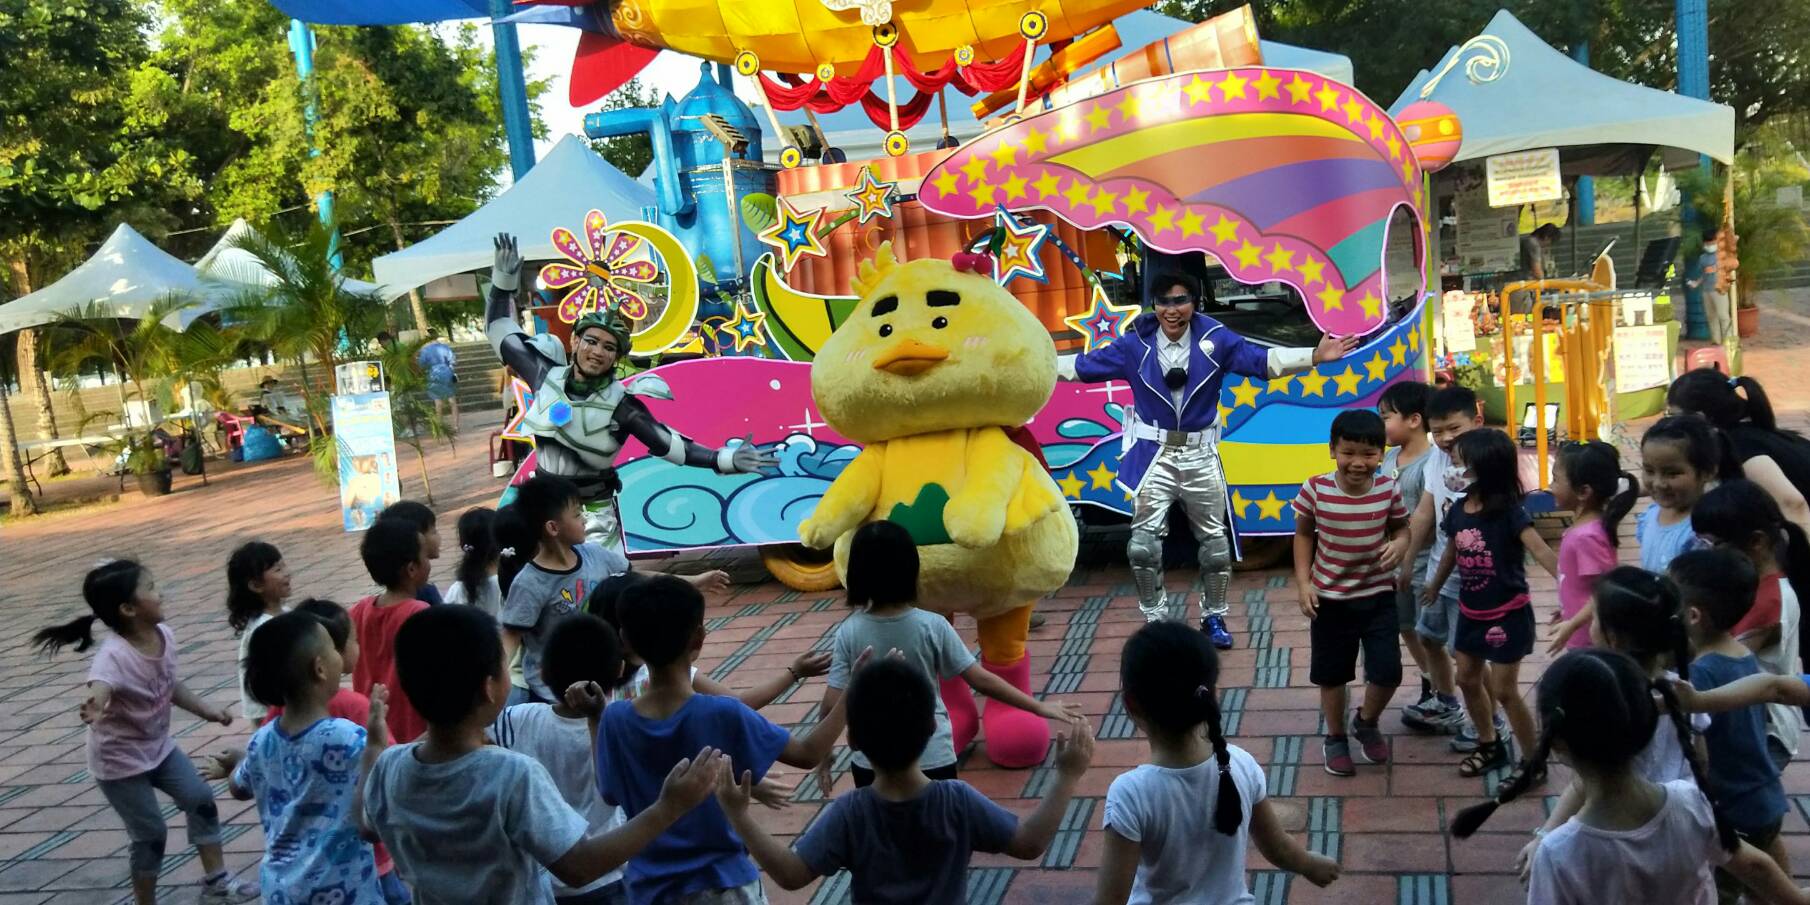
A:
x: 909, y: 358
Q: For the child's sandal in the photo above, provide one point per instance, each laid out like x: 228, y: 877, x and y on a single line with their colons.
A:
x: 1484, y: 759
x: 1536, y: 777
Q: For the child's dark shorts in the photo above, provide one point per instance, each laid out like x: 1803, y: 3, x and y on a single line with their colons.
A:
x: 1506, y: 639
x: 1342, y: 627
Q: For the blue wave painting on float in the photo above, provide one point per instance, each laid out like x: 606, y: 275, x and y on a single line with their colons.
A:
x: 672, y: 507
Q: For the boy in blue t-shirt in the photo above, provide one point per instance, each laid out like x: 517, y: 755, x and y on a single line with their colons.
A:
x: 1717, y: 587
x: 699, y: 857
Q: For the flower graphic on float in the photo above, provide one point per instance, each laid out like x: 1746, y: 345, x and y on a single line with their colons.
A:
x: 598, y: 273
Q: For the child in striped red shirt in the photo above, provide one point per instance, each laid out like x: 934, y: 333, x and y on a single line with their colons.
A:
x: 1351, y: 531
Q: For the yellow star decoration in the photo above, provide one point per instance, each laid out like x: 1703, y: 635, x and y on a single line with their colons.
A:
x: 1329, y: 98
x: 1280, y: 258
x: 1299, y: 90
x: 1019, y: 249
x: 945, y: 184
x: 975, y: 169
x: 1398, y: 352
x: 795, y: 235
x: 1332, y: 299
x: 1046, y: 185
x: 1354, y: 111
x: 1102, y: 322
x: 1014, y: 187
x: 1103, y: 202
x: 1281, y: 384
x: 1373, y: 306
x: 1163, y: 220
x: 1239, y: 503
x: 1377, y: 366
x: 745, y: 327
x: 1191, y: 222
x: 1071, y: 486
x: 1034, y: 142
x: 873, y: 198
x: 1232, y: 86
x: 1101, y: 477
x: 982, y: 193
x: 1348, y: 381
x: 1407, y: 171
x: 1245, y: 393
x: 1413, y: 340
x: 1270, y: 507
x: 1005, y: 155
x: 1077, y: 193
x: 1394, y: 146
x: 1313, y: 383
x: 1135, y: 199
x: 1099, y: 118
x: 1067, y: 128
x: 1375, y: 125
x: 1198, y: 89
x: 1248, y: 254
x: 1131, y: 106
x: 1225, y: 230
x: 1266, y: 86
x: 1311, y: 270
x: 1224, y: 413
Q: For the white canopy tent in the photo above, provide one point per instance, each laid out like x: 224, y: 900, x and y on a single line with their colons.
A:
x: 226, y: 269
x: 559, y: 191
x: 1544, y: 99
x: 125, y: 277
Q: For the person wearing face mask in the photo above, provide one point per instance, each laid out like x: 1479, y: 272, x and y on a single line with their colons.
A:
x: 1701, y: 280
x: 1175, y: 359
x: 582, y: 415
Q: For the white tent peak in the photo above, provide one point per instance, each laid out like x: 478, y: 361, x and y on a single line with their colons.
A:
x: 125, y: 276
x: 558, y: 191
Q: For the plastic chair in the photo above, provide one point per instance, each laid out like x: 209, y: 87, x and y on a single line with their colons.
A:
x: 1711, y: 356
x: 233, y: 426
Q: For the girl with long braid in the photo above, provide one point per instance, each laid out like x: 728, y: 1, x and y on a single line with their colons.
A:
x: 1632, y: 840
x: 1175, y: 827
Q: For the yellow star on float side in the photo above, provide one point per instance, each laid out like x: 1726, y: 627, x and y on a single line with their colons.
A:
x: 1103, y: 202
x: 1248, y: 254
x: 1014, y: 187
x: 1407, y: 171
x: 745, y: 328
x: 1130, y: 106
x: 1077, y: 194
x: 1101, y: 477
x: 1354, y: 111
x: 982, y: 193
x: 1329, y: 98
x: 1299, y: 90
x: 1005, y: 155
x: 1375, y: 125
x: 1413, y: 340
x: 1135, y: 200
x: 1225, y: 229
x: 1280, y: 259
x: 1245, y: 393
x: 1232, y: 86
x: 1068, y: 127
x: 1099, y: 117
x: 1373, y: 306
x: 1191, y: 222
x: 1348, y: 381
x: 1398, y: 352
x: 1198, y: 89
x: 1311, y: 270
x: 1046, y: 185
x: 1102, y: 323
x: 1239, y: 503
x: 1332, y: 299
x: 795, y: 235
x: 1313, y: 383
x: 1163, y: 220
x: 1377, y: 366
x: 945, y: 184
x: 1270, y: 507
x: 1020, y: 248
x: 872, y: 197
x: 1071, y: 486
x: 1034, y: 142
x: 975, y: 169
x: 1225, y: 412
x: 1280, y: 384
x: 1394, y: 146
x: 1266, y: 86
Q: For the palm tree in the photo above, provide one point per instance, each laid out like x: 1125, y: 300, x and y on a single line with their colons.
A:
x: 20, y: 495
x: 414, y: 418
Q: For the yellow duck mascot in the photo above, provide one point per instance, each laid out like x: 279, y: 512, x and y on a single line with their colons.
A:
x: 928, y: 374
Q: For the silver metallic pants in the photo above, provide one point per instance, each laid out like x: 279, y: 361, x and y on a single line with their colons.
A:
x: 1193, y: 476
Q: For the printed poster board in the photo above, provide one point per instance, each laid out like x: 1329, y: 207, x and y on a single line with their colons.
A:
x: 1489, y: 239
x: 1641, y: 360
x: 367, y: 457
x: 1523, y: 177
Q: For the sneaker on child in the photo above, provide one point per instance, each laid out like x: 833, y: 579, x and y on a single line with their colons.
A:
x: 1338, y: 756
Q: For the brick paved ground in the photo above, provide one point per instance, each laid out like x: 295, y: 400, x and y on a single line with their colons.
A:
x: 59, y: 842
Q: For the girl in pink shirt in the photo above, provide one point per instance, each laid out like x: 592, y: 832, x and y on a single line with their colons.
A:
x: 1588, y: 479
x: 131, y: 686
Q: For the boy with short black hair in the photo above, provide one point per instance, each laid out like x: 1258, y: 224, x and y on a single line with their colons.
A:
x: 1403, y: 406
x: 700, y: 860
x: 395, y: 555
x: 907, y: 838
x: 1350, y: 534
x: 470, y: 822
x: 1717, y: 588
x: 581, y: 650
x: 428, y: 524
x: 1451, y: 413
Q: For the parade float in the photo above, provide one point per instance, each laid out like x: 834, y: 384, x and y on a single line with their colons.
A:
x: 1206, y: 161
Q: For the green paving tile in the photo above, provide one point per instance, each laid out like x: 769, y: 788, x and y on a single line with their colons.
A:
x: 1270, y: 887
x: 752, y: 609
x: 1116, y: 724
x: 1062, y: 850
x: 1423, y: 889
x: 987, y: 885
x: 823, y: 604
x: 1284, y: 763
x: 1256, y: 595
x: 833, y: 890
x: 1279, y: 580
x: 1272, y: 668
x: 1231, y: 709
x: 1323, y: 832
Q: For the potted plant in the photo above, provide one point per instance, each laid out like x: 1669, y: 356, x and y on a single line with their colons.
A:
x: 146, y: 460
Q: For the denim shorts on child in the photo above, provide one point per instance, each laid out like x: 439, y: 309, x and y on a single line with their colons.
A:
x: 1506, y: 639
x: 1438, y: 621
x: 1341, y: 627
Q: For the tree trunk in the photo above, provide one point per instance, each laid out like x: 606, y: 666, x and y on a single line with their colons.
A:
x: 32, y: 378
x: 416, y: 304
x: 22, y: 502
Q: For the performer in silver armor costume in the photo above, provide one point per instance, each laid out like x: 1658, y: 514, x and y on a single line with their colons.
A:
x: 582, y: 414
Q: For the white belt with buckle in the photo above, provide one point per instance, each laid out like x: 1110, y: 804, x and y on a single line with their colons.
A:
x: 1142, y: 431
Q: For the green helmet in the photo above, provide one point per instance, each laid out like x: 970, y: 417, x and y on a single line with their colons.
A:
x: 616, y: 324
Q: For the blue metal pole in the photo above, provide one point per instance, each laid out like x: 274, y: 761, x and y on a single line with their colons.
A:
x: 512, y: 88
x: 1693, y: 81
x: 1586, y: 186
x: 301, y: 43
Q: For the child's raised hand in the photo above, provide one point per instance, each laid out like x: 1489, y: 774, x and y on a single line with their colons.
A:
x: 691, y: 779
x: 586, y: 698
x: 95, y: 705
x: 734, y: 794
x: 810, y: 664
x: 215, y: 767
x: 377, y: 732
x: 1075, y: 748
x: 1320, y: 870
x: 772, y: 793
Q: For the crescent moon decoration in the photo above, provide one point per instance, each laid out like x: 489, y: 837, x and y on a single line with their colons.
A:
x: 1278, y: 174
x: 669, y: 328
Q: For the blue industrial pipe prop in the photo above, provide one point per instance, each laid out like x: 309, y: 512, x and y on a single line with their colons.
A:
x: 652, y: 122
x: 1693, y: 81
x: 1586, y: 186
x: 301, y: 44
x: 512, y: 90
